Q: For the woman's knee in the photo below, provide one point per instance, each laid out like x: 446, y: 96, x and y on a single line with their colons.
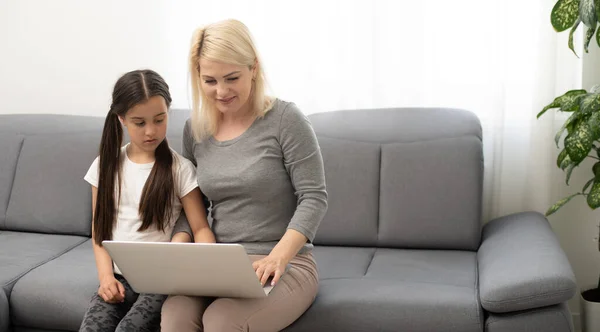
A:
x: 223, y: 316
x: 182, y: 313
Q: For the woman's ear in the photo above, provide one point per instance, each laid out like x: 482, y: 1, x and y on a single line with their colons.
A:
x: 122, y: 120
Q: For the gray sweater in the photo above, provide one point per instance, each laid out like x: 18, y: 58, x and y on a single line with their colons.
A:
x: 265, y: 181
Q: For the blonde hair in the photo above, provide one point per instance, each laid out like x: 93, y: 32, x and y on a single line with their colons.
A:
x: 230, y: 42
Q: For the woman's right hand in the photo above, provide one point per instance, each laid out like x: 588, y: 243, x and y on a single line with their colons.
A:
x: 111, y: 290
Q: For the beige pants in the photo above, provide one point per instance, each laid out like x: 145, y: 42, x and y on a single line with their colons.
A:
x: 289, y: 299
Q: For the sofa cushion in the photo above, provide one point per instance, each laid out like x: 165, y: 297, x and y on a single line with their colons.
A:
x: 342, y: 262
x: 352, y: 171
x: 55, y: 295
x: 10, y: 145
x: 431, y: 194
x: 49, y: 194
x: 21, y: 252
x: 401, y: 290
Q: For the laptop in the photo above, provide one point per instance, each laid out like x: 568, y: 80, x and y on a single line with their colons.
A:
x: 193, y: 269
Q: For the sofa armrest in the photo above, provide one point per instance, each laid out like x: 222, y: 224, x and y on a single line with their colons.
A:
x: 4, y: 316
x: 521, y: 265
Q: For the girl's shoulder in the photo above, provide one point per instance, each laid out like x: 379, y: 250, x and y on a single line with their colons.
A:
x: 180, y: 163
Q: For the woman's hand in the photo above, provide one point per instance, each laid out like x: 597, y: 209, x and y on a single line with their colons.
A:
x: 111, y: 290
x: 269, y: 266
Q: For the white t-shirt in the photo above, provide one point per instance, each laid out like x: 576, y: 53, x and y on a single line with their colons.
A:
x: 133, y: 179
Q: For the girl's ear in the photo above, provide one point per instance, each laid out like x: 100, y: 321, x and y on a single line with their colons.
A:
x: 122, y: 120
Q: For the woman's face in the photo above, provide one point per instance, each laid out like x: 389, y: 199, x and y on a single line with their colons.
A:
x: 227, y: 86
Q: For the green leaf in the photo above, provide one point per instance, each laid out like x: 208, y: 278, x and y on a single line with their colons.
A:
x: 587, y: 13
x: 588, y: 37
x: 579, y: 143
x: 572, y: 118
x: 554, y: 104
x: 571, y: 37
x: 564, y: 14
x: 559, y: 204
x: 561, y: 156
x: 569, y: 171
x: 568, y: 97
x: 594, y: 123
x: 565, y: 163
x: 597, y: 6
x: 598, y: 36
x: 596, y: 170
x: 590, y: 181
x: 590, y: 103
x: 572, y: 103
x: 593, y: 198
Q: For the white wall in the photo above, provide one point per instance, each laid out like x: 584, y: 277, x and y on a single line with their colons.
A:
x: 64, y: 56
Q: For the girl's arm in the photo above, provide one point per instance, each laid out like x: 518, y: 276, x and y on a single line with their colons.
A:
x: 111, y: 290
x: 196, y: 215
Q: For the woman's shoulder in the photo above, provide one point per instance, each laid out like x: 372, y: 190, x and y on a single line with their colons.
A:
x: 283, y: 111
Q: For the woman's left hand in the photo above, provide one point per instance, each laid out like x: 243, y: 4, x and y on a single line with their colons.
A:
x: 269, y: 266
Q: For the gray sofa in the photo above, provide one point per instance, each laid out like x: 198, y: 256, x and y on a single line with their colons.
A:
x: 402, y: 247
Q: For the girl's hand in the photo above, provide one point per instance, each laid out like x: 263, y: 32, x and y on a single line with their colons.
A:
x: 267, y: 267
x: 111, y: 290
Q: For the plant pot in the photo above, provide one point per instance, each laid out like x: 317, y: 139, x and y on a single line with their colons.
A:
x: 590, y: 310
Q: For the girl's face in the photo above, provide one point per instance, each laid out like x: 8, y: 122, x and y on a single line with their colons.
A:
x: 146, y: 124
x: 227, y: 86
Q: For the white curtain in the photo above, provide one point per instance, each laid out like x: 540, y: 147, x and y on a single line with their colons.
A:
x: 498, y: 58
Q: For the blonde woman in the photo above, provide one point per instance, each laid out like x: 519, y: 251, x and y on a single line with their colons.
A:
x: 259, y: 164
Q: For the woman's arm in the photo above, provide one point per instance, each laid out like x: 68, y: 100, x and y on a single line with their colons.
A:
x: 196, y: 215
x: 111, y: 290
x: 275, y: 263
x: 304, y: 163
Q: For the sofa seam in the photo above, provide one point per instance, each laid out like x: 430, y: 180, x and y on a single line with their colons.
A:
x: 522, y: 298
x: 378, y: 197
x: 12, y: 183
x: 17, y: 278
x: 567, y: 321
x: 401, y: 142
x: 479, y: 309
x: 416, y: 282
x: 369, y: 265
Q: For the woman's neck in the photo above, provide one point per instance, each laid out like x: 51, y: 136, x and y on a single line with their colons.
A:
x: 239, y: 118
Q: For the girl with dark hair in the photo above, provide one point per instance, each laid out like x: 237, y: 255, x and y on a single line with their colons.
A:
x: 138, y: 191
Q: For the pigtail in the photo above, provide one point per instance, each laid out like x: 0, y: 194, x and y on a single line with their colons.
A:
x: 109, y: 174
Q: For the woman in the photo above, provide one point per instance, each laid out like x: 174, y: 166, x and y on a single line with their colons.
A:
x: 259, y: 163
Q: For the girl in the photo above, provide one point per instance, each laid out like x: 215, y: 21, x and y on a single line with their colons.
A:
x: 138, y: 191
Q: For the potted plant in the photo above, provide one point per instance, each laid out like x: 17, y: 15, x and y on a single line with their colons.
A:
x: 582, y: 139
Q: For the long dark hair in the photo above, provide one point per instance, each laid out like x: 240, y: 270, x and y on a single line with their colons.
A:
x: 155, y: 205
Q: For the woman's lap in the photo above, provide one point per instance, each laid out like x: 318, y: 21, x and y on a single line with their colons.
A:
x: 288, y: 300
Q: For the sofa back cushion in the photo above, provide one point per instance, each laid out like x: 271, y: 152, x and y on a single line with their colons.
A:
x: 49, y: 194
x: 405, y: 178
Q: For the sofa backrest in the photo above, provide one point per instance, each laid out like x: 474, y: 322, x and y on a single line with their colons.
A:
x: 405, y: 178
x: 409, y: 178
x: 43, y: 159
